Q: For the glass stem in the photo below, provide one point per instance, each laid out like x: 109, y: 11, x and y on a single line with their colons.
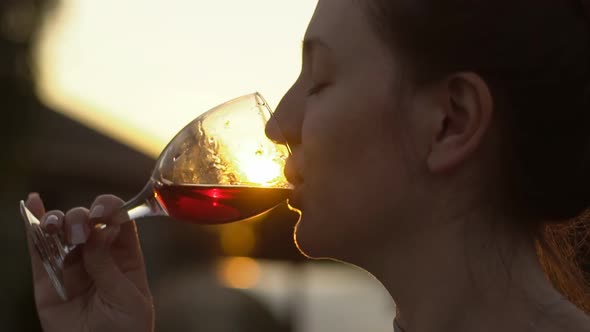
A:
x: 143, y: 205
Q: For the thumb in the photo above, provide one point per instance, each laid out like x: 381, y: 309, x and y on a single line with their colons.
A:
x: 111, y: 283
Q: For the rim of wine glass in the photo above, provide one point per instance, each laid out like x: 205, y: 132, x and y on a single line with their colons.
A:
x: 257, y: 95
x: 272, y: 117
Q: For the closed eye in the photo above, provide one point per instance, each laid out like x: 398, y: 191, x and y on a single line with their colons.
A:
x: 316, y: 88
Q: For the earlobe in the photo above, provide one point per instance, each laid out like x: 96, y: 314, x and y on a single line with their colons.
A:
x: 467, y: 107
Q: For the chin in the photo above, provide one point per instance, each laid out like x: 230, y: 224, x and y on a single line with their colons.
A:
x: 301, y: 244
x: 311, y: 241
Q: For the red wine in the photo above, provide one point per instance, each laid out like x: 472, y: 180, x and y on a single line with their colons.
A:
x: 217, y: 204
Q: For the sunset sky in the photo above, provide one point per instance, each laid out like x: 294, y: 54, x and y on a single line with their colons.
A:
x: 139, y: 70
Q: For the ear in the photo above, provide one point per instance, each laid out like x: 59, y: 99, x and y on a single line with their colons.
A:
x: 466, y: 107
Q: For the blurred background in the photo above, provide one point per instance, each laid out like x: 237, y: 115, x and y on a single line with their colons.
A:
x: 91, y: 91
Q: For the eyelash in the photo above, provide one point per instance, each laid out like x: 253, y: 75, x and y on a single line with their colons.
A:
x: 316, y: 88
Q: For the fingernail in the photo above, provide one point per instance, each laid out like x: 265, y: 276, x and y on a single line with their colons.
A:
x: 77, y: 234
x: 97, y: 212
x: 51, y: 222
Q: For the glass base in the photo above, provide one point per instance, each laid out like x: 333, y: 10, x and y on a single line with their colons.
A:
x: 50, y: 248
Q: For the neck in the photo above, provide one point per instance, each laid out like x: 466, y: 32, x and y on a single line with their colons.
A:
x: 470, y: 275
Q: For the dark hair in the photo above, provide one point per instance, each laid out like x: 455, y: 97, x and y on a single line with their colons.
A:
x: 535, y: 58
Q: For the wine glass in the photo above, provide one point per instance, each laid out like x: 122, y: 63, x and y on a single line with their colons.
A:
x: 220, y: 168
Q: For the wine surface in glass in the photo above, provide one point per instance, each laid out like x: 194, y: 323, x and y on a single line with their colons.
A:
x: 217, y: 204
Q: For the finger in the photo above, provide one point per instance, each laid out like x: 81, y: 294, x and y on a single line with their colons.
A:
x: 125, y: 246
x: 77, y: 226
x: 107, y: 209
x: 117, y: 246
x: 115, y: 287
x: 52, y: 222
x: 35, y: 205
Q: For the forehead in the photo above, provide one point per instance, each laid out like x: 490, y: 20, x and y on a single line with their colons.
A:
x: 344, y: 26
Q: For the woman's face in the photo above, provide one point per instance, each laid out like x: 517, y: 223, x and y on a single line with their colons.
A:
x: 349, y: 164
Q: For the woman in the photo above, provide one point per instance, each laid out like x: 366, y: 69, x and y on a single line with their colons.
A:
x: 443, y: 146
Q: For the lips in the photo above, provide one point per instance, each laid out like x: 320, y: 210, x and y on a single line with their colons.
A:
x: 293, y: 175
x: 296, y: 199
x: 292, y: 172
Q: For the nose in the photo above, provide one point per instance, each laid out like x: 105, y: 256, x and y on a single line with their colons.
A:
x: 288, y: 119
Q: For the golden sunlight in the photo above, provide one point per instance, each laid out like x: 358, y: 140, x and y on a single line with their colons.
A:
x: 258, y: 169
x: 140, y: 70
x: 239, y: 272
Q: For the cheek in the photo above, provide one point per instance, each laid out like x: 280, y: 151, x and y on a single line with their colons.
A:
x: 345, y: 136
x: 351, y: 172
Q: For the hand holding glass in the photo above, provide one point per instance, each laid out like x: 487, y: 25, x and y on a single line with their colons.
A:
x: 220, y: 168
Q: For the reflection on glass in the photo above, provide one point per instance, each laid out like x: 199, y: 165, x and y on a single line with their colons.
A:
x: 220, y: 168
